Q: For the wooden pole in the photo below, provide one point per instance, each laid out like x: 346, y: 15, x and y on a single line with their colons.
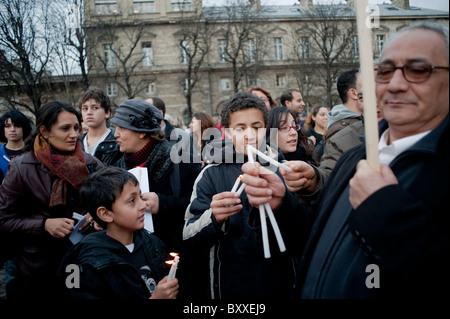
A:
x: 368, y: 83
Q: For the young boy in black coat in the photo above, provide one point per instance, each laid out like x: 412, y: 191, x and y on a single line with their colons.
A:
x: 222, y: 228
x: 124, y: 261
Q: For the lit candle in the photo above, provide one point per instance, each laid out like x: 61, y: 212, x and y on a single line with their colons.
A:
x: 173, y: 268
x: 236, y: 184
x: 239, y: 191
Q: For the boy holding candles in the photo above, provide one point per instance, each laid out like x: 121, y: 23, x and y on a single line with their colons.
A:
x: 124, y: 261
x: 222, y: 228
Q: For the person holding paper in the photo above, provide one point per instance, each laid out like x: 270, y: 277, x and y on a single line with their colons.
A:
x: 383, y: 234
x: 222, y: 233
x: 123, y: 261
x: 140, y: 139
x: 39, y: 196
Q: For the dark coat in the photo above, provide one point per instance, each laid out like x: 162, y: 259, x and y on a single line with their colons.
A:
x: 108, y: 150
x: 106, y: 269
x: 24, y: 208
x: 229, y: 260
x: 404, y: 228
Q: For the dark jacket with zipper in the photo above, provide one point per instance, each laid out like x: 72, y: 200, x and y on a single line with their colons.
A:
x: 229, y: 260
x: 108, y: 150
x: 105, y: 269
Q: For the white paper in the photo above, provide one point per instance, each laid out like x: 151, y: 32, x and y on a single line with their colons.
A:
x: 142, y: 176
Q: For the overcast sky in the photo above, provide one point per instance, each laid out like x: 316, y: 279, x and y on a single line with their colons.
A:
x: 432, y: 4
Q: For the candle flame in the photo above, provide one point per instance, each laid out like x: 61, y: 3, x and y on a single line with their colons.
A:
x: 170, y: 262
x: 240, y: 176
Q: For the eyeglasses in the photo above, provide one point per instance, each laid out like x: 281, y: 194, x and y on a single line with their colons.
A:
x: 286, y: 129
x: 413, y: 71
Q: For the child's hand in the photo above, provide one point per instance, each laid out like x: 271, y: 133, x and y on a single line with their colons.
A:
x: 224, y: 205
x: 166, y: 290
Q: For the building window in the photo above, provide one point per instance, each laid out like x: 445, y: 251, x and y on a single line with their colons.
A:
x: 185, y: 84
x: 381, y: 40
x: 252, y: 81
x: 180, y: 5
x: 225, y: 84
x: 110, y: 59
x: 251, y: 51
x: 143, y: 6
x: 147, y: 54
x: 150, y: 89
x: 223, y: 56
x: 304, y: 47
x: 281, y: 80
x: 306, y: 78
x: 184, y: 51
x: 355, y: 47
x: 111, y: 89
x: 278, y: 49
x: 105, y: 7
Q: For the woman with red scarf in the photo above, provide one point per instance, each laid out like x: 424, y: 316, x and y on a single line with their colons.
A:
x: 38, y: 197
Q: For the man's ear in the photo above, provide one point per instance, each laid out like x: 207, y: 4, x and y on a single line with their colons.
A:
x: 105, y: 214
x: 353, y: 93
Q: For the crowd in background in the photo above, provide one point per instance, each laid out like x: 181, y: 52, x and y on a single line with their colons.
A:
x: 335, y: 213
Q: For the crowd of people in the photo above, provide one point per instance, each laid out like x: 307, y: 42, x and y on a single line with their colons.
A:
x: 350, y: 231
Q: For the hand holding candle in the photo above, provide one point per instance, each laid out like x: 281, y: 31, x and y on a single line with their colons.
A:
x: 263, y: 209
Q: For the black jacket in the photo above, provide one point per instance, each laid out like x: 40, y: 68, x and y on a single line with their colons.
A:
x: 230, y: 258
x: 404, y: 228
x: 108, y: 150
x: 106, y: 271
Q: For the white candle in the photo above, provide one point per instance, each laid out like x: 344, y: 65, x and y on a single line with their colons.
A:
x: 236, y: 184
x: 276, y: 229
x: 173, y: 269
x: 240, y: 190
x: 267, y: 158
x: 249, y: 154
x: 265, y: 236
x: 368, y: 84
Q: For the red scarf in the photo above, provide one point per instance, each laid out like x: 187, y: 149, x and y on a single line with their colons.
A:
x: 67, y: 168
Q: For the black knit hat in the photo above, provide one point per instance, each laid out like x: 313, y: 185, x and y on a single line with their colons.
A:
x: 138, y: 116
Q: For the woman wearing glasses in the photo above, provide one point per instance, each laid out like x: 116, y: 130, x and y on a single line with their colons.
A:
x: 290, y: 137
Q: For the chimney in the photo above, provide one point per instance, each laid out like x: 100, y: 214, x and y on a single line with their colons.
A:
x: 307, y: 4
x: 351, y: 3
x: 403, y: 4
x: 256, y: 5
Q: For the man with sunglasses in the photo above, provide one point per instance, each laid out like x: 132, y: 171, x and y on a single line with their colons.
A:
x: 381, y: 234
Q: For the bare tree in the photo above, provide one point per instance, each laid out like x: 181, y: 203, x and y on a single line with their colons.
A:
x: 243, y: 43
x: 116, y: 53
x: 194, y: 35
x: 25, y: 28
x: 329, y: 30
